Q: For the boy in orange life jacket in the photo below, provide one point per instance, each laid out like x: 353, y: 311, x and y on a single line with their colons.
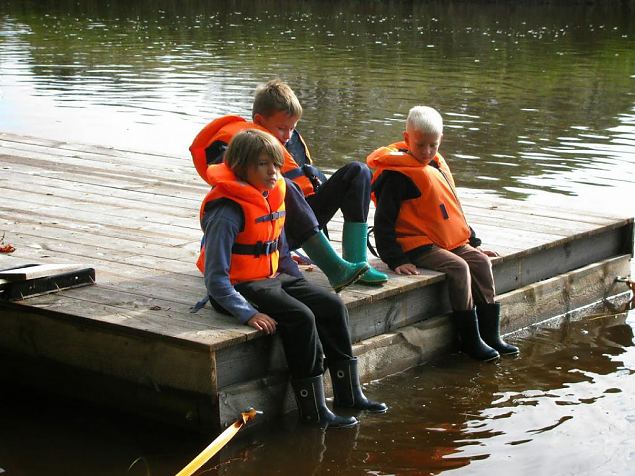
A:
x: 249, y: 274
x: 419, y: 223
x: 311, y: 198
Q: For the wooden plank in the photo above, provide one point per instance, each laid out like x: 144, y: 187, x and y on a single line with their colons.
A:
x: 86, y: 196
x: 87, y: 211
x: 109, y: 162
x: 539, y: 210
x: 58, y: 183
x: 99, y: 178
x: 37, y: 271
x: 145, y: 322
x: 19, y: 140
x: 93, y: 234
x: 103, y: 163
x: 110, y: 350
x: 108, y: 226
x: 126, y: 261
x: 563, y: 293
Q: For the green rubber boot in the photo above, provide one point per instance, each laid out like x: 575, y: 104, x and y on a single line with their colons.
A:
x: 340, y: 273
x: 354, y: 249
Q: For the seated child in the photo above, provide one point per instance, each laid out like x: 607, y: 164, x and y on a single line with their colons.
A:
x: 311, y: 198
x: 249, y: 274
x: 419, y: 223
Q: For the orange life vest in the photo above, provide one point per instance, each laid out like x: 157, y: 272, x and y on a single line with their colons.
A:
x: 435, y: 217
x: 220, y: 132
x: 255, y: 253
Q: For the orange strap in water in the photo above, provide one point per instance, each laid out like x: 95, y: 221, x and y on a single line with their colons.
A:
x: 216, y: 445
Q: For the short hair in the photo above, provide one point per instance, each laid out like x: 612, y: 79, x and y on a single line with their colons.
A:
x: 247, y: 146
x: 425, y: 119
x: 275, y: 96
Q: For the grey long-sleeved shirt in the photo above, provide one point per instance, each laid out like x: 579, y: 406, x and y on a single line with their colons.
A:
x: 222, y: 221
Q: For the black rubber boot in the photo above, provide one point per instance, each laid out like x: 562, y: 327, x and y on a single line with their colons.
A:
x: 489, y: 326
x: 309, y: 395
x: 471, y: 342
x: 347, y: 391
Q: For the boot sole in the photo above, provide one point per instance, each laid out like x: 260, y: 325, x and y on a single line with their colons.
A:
x: 490, y: 359
x: 341, y: 427
x: 356, y: 277
x: 371, y: 283
x: 374, y: 412
x: 509, y: 354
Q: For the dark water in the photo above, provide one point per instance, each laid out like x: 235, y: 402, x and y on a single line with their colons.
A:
x: 566, y: 407
x: 539, y: 103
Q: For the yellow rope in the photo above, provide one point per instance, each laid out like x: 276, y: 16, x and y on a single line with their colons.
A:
x: 216, y: 445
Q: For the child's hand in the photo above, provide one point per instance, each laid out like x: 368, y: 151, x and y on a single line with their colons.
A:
x: 490, y: 253
x: 407, y: 268
x: 262, y: 322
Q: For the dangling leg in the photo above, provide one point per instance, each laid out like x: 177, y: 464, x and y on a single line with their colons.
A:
x: 489, y: 325
x: 339, y: 272
x: 484, y: 292
x: 331, y: 319
x: 309, y: 396
x: 303, y: 350
x: 459, y: 280
x: 471, y: 342
x: 347, y: 391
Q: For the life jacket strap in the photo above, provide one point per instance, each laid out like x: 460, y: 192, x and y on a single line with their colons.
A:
x: 271, y: 216
x: 199, y: 305
x: 308, y: 170
x: 257, y: 249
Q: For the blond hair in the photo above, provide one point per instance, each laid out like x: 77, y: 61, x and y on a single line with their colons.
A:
x: 275, y: 96
x: 247, y: 146
x: 424, y: 119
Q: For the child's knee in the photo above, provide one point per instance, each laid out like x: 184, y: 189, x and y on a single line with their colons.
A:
x: 357, y: 170
x: 458, y: 269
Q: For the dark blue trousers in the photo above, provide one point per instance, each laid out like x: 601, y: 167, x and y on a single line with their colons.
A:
x: 348, y: 189
x: 311, y: 321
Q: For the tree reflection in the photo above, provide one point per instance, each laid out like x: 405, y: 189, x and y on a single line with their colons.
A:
x: 521, y: 85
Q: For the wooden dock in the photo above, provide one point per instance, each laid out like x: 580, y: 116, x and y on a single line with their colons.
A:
x: 131, y: 340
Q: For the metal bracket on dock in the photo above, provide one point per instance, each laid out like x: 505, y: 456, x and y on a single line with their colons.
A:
x: 626, y: 279
x: 631, y: 285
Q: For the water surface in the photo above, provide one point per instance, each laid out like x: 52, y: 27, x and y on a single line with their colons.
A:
x: 566, y: 406
x: 538, y: 97
x: 539, y: 104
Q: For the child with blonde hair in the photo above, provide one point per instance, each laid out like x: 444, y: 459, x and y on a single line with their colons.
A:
x: 419, y: 223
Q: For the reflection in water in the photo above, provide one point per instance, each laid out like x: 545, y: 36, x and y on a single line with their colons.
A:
x: 567, y: 406
x: 537, y: 96
x: 571, y: 390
